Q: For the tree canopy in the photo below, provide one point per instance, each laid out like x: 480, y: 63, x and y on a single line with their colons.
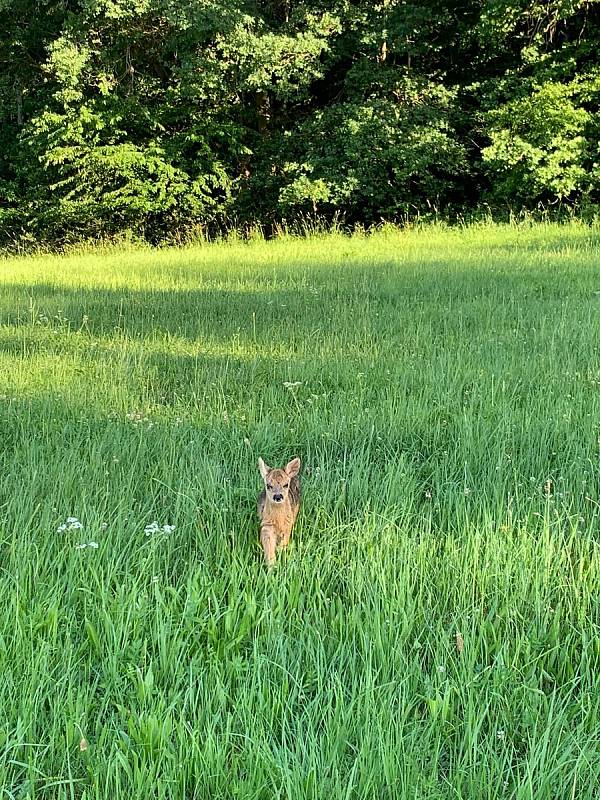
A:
x: 165, y: 116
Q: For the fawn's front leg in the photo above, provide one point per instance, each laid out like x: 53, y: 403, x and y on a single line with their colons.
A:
x: 285, y: 538
x: 268, y: 539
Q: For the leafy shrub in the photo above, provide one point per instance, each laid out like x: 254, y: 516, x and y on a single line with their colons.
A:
x: 372, y: 158
x: 544, y: 146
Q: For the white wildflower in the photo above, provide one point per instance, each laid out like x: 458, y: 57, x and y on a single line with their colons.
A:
x: 139, y: 418
x: 154, y: 527
x: 71, y: 524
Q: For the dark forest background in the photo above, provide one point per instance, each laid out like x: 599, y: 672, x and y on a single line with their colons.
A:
x: 166, y: 118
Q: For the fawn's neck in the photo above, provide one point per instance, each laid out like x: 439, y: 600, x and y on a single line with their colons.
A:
x: 277, y: 512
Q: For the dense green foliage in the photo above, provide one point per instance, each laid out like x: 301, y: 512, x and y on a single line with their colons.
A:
x: 167, y: 116
x: 442, y: 389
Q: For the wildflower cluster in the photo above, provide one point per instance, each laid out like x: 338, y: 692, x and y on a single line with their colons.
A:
x: 140, y: 418
x: 71, y: 524
x: 154, y: 527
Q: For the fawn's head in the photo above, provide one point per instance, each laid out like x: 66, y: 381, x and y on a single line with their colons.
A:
x: 277, y: 481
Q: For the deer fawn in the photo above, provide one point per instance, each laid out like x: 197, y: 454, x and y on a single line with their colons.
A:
x: 278, y: 506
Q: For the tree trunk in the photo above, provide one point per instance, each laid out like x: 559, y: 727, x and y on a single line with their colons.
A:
x: 263, y: 112
x: 19, y: 100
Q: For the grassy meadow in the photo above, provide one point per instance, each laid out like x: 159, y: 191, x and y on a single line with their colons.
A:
x: 433, y: 631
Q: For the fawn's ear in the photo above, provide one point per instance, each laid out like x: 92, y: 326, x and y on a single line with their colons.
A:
x: 293, y: 468
x: 264, y: 470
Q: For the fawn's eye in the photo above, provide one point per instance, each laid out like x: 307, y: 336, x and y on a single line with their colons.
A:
x: 285, y: 485
x: 269, y: 486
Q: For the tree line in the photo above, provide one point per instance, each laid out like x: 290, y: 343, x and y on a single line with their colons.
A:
x: 168, y: 117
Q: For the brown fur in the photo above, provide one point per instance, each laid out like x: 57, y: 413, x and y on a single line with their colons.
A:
x: 277, y: 516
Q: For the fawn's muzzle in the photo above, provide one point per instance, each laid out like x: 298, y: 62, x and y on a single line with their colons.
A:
x: 278, y: 498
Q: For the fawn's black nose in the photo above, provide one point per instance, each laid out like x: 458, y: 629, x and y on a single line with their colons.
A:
x: 278, y: 498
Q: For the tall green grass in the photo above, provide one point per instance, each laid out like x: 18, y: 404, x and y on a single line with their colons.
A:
x: 433, y: 631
